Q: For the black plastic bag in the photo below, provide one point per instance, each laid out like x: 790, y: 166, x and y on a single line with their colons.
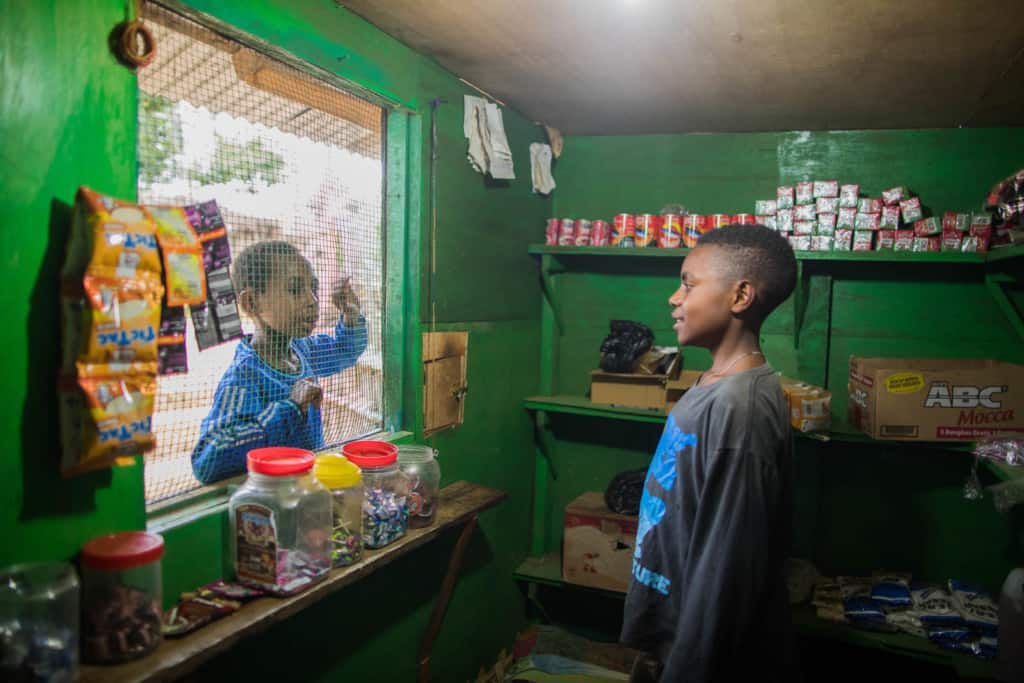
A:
x: 627, y: 341
x: 623, y: 493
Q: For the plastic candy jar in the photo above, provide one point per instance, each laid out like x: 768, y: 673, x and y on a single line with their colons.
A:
x: 121, y: 596
x: 39, y: 622
x: 385, y: 491
x: 419, y: 463
x: 280, y: 522
x: 345, y: 482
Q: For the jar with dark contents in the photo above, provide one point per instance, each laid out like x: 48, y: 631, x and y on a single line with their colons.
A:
x: 39, y: 622
x: 121, y: 596
x: 385, y: 491
x: 419, y: 463
x: 345, y: 482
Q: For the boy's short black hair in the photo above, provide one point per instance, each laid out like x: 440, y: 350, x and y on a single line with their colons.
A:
x: 758, y: 254
x: 256, y: 263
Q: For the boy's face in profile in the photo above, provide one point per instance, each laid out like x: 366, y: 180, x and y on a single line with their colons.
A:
x: 290, y: 305
x: 702, y: 306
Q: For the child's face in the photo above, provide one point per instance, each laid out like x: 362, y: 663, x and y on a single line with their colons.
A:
x: 291, y: 304
x: 702, y: 306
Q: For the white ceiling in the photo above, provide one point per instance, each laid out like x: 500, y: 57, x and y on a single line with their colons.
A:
x: 594, y: 67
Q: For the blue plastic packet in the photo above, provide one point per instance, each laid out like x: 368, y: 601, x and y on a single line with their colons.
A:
x: 892, y: 591
x: 935, y: 606
x: 978, y: 609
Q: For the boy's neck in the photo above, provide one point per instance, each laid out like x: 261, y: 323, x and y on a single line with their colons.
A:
x: 272, y: 346
x: 740, y: 347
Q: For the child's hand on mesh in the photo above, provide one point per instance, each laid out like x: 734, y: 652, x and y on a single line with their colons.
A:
x: 306, y: 392
x: 345, y: 300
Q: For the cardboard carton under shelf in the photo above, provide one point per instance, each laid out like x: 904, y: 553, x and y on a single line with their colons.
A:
x: 597, y: 548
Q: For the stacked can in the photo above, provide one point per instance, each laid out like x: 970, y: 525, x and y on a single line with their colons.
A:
x: 719, y: 220
x: 646, y: 230
x: 599, y: 233
x: 744, y: 219
x: 583, y: 228
x: 551, y: 232
x: 694, y: 225
x: 567, y: 233
x: 671, y: 234
x: 624, y: 231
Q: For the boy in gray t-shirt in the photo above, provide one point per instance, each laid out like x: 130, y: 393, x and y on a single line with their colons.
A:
x: 708, y: 598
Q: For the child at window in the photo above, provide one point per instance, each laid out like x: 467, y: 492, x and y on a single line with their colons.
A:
x: 269, y: 396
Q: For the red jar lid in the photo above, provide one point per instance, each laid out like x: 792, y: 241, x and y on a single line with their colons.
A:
x: 125, y: 550
x: 280, y: 461
x: 370, y: 454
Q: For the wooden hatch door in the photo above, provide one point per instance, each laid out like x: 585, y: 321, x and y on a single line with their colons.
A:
x: 444, y: 380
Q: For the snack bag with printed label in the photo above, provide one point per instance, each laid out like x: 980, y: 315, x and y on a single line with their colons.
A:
x: 183, y: 256
x: 110, y: 234
x: 119, y: 321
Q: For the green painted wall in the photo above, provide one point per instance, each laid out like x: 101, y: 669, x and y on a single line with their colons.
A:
x: 67, y: 117
x: 858, y: 508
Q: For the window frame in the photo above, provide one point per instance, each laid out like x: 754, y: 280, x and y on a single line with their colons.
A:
x: 401, y: 207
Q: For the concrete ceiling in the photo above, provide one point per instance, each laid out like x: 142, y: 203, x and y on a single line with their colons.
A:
x: 593, y: 67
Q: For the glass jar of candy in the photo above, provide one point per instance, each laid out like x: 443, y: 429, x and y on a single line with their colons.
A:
x: 280, y: 523
x: 121, y: 596
x: 385, y: 491
x: 419, y: 463
x: 39, y: 622
x: 345, y: 482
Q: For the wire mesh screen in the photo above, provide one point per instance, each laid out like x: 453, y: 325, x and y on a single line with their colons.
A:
x: 295, y: 167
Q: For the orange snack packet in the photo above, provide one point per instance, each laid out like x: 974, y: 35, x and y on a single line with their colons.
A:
x: 120, y: 320
x: 108, y: 233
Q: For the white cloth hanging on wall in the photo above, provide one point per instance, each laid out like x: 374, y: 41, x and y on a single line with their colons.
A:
x: 488, y: 146
x: 540, y: 168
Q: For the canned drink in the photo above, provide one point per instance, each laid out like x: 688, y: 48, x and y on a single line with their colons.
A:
x: 646, y: 230
x: 744, y: 219
x: 551, y: 232
x: 567, y: 232
x: 694, y: 225
x: 583, y: 228
x: 623, y: 227
x: 599, y: 233
x: 671, y: 234
x: 719, y: 220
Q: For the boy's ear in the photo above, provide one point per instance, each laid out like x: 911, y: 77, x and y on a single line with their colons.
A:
x: 247, y: 301
x: 744, y: 295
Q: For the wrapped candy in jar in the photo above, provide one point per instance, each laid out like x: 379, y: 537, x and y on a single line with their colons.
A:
x: 385, y: 491
x: 280, y: 523
x: 121, y: 596
x: 419, y: 463
x: 39, y: 622
x: 345, y: 482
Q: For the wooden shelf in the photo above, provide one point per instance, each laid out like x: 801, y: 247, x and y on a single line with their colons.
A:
x: 547, y: 570
x: 1002, y: 471
x: 579, y: 405
x: 460, y: 502
x: 886, y: 256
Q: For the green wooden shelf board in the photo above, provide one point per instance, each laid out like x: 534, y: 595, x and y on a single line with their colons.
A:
x: 547, y: 570
x: 1004, y: 472
x: 579, y: 405
x: 1004, y: 253
x: 860, y: 256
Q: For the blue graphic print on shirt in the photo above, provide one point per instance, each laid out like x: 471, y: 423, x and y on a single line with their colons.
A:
x: 652, y: 507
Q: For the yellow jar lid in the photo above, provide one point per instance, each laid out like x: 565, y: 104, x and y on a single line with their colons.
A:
x: 335, y: 471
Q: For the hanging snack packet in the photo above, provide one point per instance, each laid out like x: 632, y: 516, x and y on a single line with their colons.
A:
x: 109, y: 234
x: 784, y: 220
x: 842, y: 240
x: 107, y: 415
x: 890, y: 219
x: 766, y: 207
x: 805, y: 212
x: 804, y: 193
x: 827, y: 204
x: 895, y: 195
x: 784, y: 197
x: 869, y: 205
x: 826, y: 188
x: 863, y: 240
x: 827, y: 223
x: 927, y: 226
x: 886, y: 239
x: 977, y: 608
x: 848, y: 196
x: 183, y: 262
x: 172, y: 353
x: 846, y: 217
x: 121, y: 319
x: 868, y: 221
x: 911, y: 209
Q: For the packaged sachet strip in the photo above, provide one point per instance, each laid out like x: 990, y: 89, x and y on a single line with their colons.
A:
x: 846, y: 218
x: 863, y: 240
x: 904, y: 240
x: 886, y: 239
x: 785, y: 197
x: 981, y: 219
x: 848, y: 195
x: 821, y: 243
x: 826, y: 204
x: 784, y: 220
x: 927, y: 244
x: 935, y: 606
x: 892, y: 590
x: 769, y: 221
x: 890, y: 218
x: 804, y: 193
x: 172, y: 354
x: 895, y: 195
x: 120, y: 318
x: 842, y: 240
x: 906, y: 621
x: 827, y: 223
x: 800, y: 242
x: 952, y: 240
x: 979, y: 611
x: 766, y: 207
x: 911, y: 209
x: 110, y: 234
x: 804, y: 227
x: 184, y: 274
x: 826, y: 188
x: 868, y: 221
x: 805, y: 212
x: 869, y: 205
x: 980, y: 238
x: 927, y: 227
x: 951, y: 220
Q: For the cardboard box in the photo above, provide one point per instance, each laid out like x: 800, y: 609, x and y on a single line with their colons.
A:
x: 935, y: 399
x: 810, y: 407
x: 597, y: 547
x: 631, y: 389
